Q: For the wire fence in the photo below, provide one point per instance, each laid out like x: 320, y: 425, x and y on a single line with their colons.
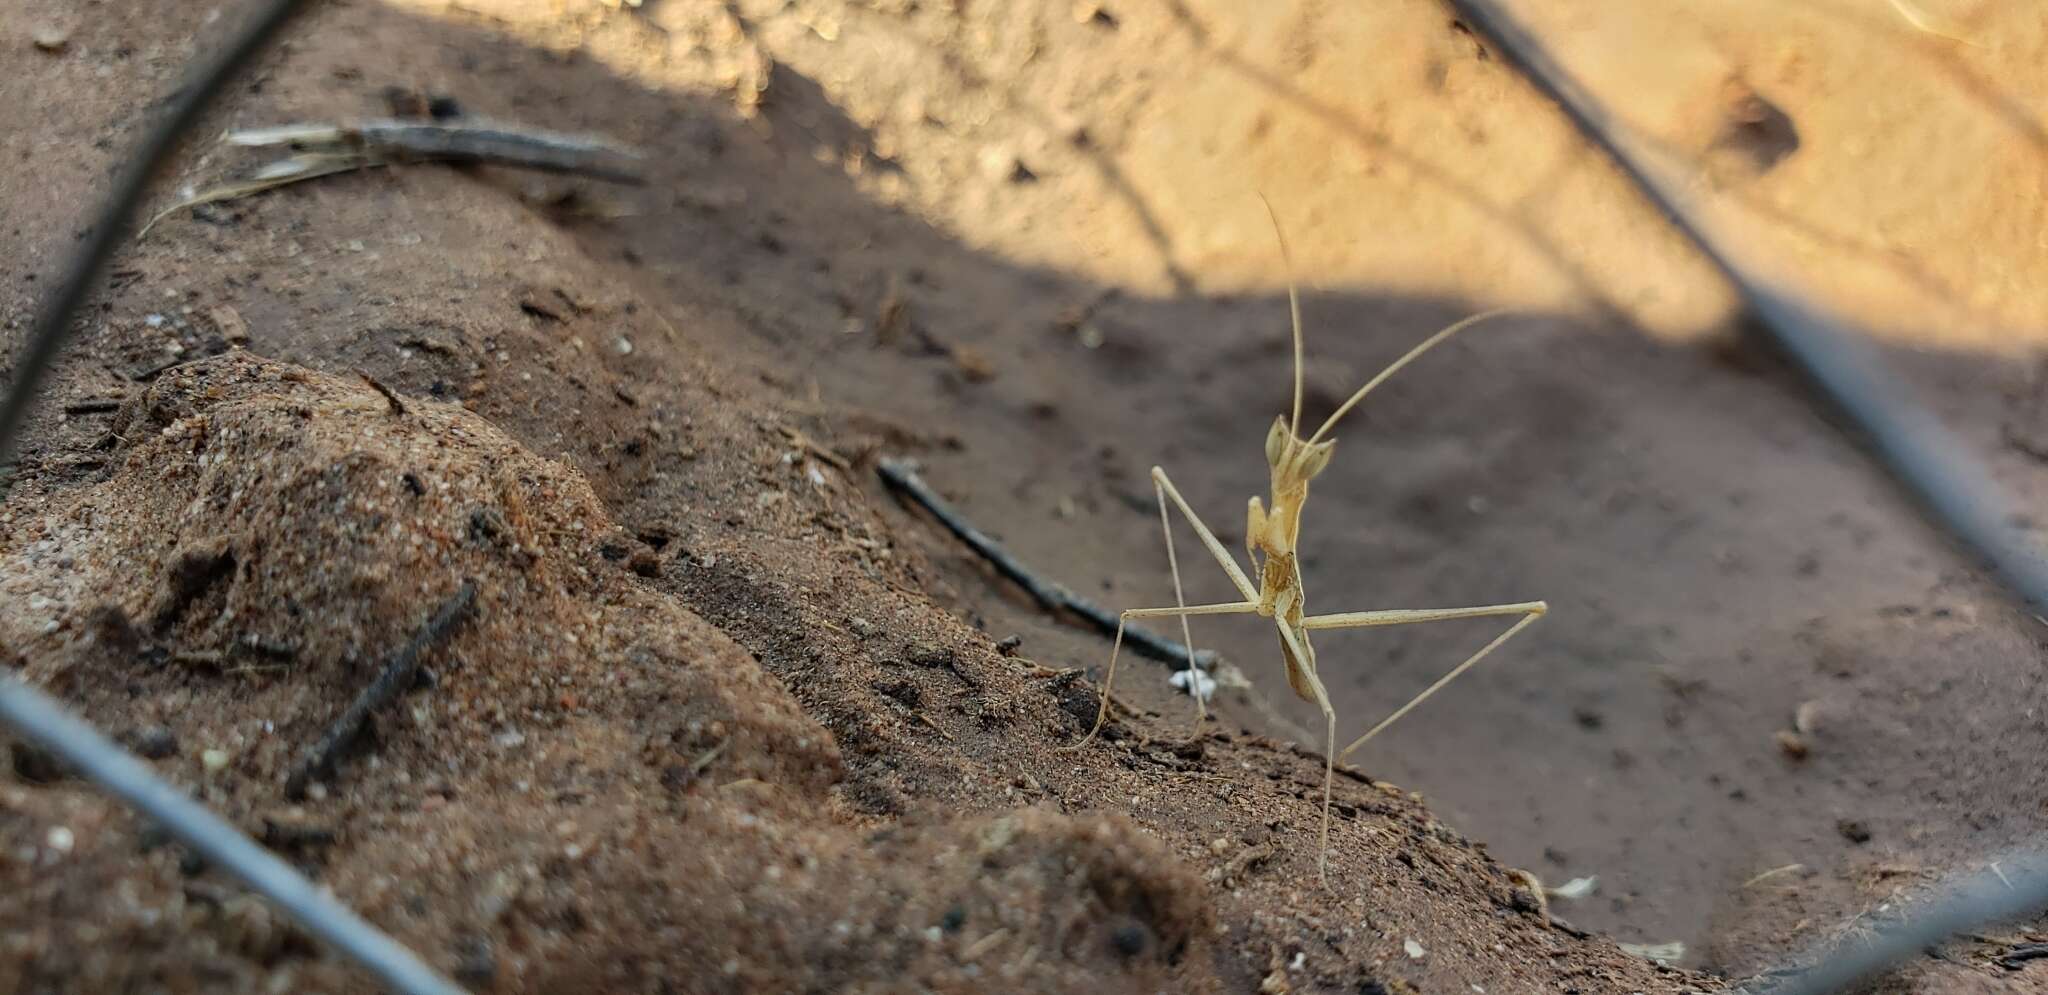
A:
x: 1912, y: 444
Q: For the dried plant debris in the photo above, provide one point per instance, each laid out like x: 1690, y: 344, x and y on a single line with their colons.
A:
x: 1662, y: 953
x: 325, y: 149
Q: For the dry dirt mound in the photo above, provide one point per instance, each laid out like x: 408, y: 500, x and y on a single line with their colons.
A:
x: 598, y: 789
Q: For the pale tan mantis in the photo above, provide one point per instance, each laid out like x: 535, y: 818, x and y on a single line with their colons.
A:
x: 1270, y: 539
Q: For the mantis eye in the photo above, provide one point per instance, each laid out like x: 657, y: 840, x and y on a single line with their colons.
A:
x: 1317, y: 457
x: 1276, y: 441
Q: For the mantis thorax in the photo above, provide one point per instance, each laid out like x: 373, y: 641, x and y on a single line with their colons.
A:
x: 1271, y: 536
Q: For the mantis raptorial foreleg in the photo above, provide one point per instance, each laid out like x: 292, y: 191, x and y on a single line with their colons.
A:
x: 1116, y: 648
x: 1163, y: 489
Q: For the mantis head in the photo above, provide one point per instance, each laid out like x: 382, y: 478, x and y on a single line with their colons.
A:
x: 1294, y: 461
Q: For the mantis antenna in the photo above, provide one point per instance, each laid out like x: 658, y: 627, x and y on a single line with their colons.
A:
x: 1293, y: 310
x: 1392, y: 368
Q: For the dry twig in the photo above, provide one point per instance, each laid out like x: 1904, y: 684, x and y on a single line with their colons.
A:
x: 397, y: 675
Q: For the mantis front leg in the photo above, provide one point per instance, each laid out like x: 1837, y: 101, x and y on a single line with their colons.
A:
x: 1183, y: 611
x: 1163, y: 490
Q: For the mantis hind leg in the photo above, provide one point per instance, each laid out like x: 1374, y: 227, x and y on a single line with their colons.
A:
x: 1529, y: 610
x: 1298, y: 647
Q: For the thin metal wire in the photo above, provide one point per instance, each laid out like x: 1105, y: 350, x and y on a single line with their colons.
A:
x: 2011, y: 889
x: 48, y: 723
x: 1912, y: 444
x: 45, y: 721
x: 185, y: 106
x: 1919, y: 451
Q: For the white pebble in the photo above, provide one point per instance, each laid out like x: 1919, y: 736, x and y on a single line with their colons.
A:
x: 1205, y: 686
x: 214, y: 759
x: 60, y: 839
x: 1414, y: 950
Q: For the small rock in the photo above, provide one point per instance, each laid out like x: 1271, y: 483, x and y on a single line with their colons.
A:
x: 60, y: 839
x: 1193, y: 682
x: 252, y: 928
x: 154, y: 743
x: 1091, y: 12
x: 976, y: 367
x: 1853, y: 830
x: 35, y: 764
x: 1002, y: 164
x: 478, y: 964
x: 51, y: 38
x: 228, y: 322
x: 214, y: 760
x: 1792, y: 744
x: 1413, y: 950
x: 1129, y: 940
x: 1526, y: 899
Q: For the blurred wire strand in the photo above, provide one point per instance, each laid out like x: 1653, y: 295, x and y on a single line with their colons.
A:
x: 43, y: 720
x: 1919, y: 451
x: 1921, y: 454
x: 130, y: 184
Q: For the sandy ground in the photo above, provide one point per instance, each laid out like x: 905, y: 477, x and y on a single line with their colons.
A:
x: 1022, y: 244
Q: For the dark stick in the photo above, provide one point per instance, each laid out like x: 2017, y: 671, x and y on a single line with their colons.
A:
x: 504, y: 145
x: 397, y: 675
x: 1051, y: 596
x: 390, y: 396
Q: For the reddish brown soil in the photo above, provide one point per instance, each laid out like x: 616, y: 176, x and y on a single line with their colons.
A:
x: 728, y: 719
